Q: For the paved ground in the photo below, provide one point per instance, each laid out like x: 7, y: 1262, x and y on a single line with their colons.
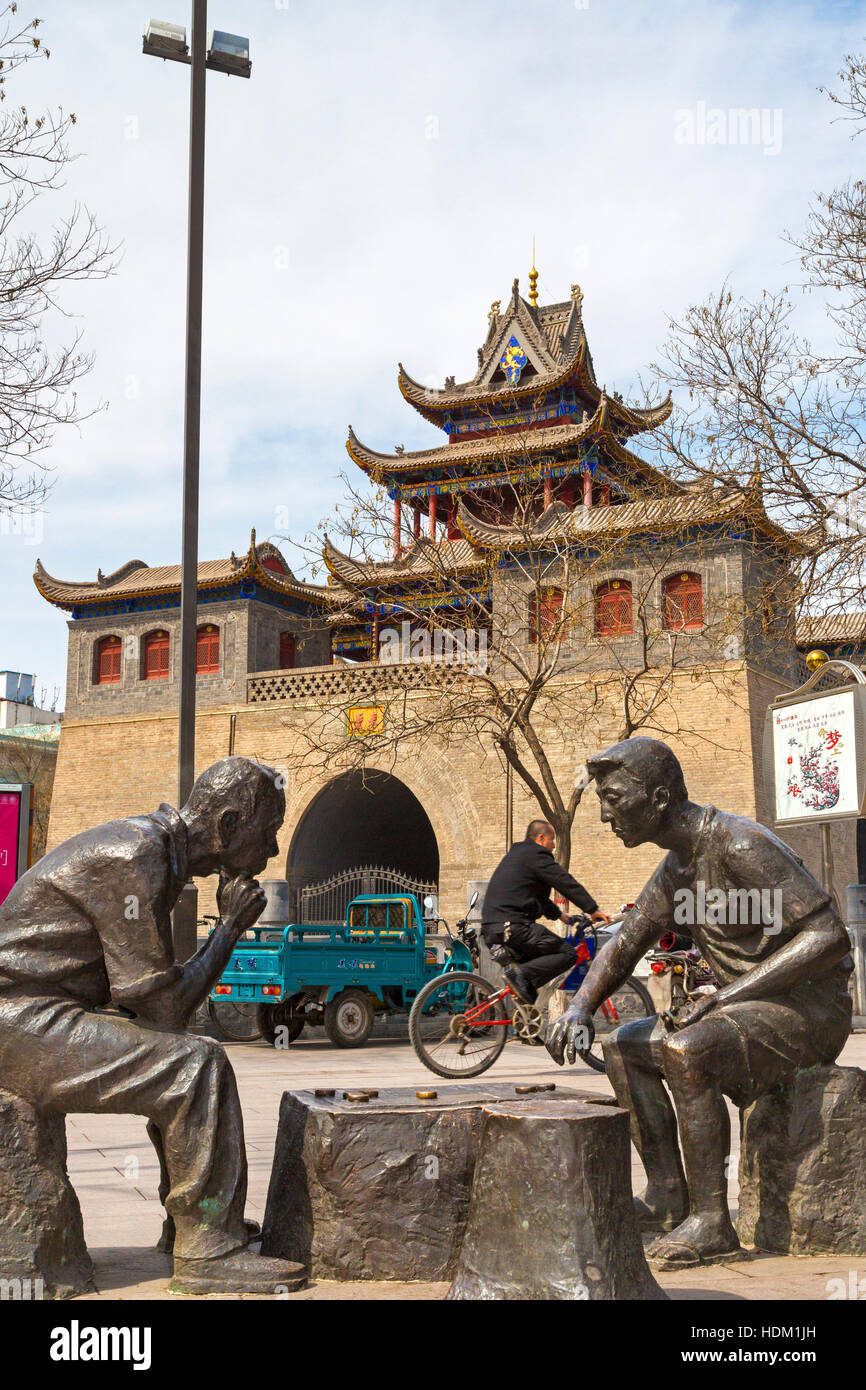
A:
x: 114, y: 1171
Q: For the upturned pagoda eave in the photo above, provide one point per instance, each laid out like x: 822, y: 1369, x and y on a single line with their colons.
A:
x: 435, y: 404
x: 443, y: 470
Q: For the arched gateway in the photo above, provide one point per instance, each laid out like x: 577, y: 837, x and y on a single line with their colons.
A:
x: 365, y: 832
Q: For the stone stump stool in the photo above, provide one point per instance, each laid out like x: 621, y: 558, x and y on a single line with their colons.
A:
x: 551, y: 1213
x: 41, y: 1231
x: 377, y: 1188
x: 803, y: 1166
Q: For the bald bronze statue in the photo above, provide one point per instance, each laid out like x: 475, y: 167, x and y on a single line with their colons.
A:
x: 783, y: 1002
x: 94, y: 1006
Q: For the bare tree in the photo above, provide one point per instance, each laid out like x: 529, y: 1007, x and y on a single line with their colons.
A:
x: 37, y: 378
x: 753, y: 390
x: 530, y: 639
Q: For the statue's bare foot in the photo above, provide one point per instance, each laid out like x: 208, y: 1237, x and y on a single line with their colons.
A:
x: 699, y: 1240
x: 660, y: 1209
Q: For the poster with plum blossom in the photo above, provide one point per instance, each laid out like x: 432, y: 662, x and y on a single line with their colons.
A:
x: 814, y: 758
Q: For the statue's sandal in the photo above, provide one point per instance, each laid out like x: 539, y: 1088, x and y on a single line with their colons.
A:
x: 676, y: 1254
x: 240, y: 1272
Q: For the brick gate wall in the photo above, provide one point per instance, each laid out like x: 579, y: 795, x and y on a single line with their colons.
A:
x: 116, y: 767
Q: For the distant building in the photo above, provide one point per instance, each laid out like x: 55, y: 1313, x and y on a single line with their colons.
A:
x: 28, y: 753
x: 17, y: 701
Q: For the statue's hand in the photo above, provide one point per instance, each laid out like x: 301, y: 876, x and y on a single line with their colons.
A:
x: 696, y: 1008
x: 241, y: 903
x: 570, y: 1034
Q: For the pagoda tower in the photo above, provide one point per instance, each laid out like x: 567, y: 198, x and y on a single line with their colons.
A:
x: 533, y: 416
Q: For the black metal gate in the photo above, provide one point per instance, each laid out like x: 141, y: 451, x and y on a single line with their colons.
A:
x: 327, y: 901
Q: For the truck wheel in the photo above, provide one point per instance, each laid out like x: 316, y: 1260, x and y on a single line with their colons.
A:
x: 349, y: 1018
x: 270, y: 1017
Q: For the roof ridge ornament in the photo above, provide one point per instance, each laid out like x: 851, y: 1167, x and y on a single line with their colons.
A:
x: 577, y: 297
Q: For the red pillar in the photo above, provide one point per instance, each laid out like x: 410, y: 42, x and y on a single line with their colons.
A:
x: 587, y: 489
x: 397, y: 527
x: 548, y: 491
x: 432, y: 515
x: 416, y: 520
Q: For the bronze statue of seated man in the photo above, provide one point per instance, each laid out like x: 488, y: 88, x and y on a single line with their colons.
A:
x: 89, y: 927
x: 783, y: 1002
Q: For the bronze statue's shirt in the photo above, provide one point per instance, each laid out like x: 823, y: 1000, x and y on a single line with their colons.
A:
x: 91, y: 920
x: 734, y: 853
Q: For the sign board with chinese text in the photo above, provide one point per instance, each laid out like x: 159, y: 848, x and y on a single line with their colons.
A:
x: 362, y: 720
x: 14, y: 833
x: 815, y: 756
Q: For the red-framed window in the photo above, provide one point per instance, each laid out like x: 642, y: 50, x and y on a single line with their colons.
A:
x: 107, y: 665
x: 287, y: 651
x: 207, y: 648
x: 545, y: 614
x: 155, y: 656
x: 614, y: 615
x: 684, y: 602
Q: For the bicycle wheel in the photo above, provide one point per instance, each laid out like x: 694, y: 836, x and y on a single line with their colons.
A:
x: 631, y: 1001
x: 235, y: 1021
x: 444, y: 1038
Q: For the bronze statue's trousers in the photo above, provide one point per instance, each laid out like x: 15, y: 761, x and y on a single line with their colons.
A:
x: 63, y: 1058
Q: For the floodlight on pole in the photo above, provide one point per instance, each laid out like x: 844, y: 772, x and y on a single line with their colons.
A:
x: 228, y: 53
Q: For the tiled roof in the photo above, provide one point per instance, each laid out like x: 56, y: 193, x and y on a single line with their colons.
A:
x: 32, y: 733
x: 500, y: 447
x: 424, y: 561
x: 554, y: 336
x: 136, y: 579
x: 670, y: 512
x: 831, y: 628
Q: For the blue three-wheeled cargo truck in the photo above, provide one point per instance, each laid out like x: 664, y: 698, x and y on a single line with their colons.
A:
x: 339, y: 976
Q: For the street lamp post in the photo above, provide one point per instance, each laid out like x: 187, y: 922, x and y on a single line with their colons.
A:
x: 227, y: 53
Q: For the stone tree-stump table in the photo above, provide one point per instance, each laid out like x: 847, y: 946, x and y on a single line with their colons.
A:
x: 41, y: 1232
x: 380, y: 1188
x: 551, y: 1213
x: 803, y: 1166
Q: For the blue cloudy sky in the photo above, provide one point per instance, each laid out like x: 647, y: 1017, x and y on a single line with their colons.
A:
x: 370, y: 191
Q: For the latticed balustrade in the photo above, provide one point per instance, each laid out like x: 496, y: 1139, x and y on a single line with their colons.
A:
x: 335, y: 682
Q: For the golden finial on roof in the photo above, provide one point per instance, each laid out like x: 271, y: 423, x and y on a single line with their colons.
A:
x: 533, y: 279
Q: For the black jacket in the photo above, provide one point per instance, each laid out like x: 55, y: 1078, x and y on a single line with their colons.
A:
x: 519, y: 890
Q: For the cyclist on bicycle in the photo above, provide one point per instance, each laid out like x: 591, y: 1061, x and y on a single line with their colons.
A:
x: 518, y: 893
